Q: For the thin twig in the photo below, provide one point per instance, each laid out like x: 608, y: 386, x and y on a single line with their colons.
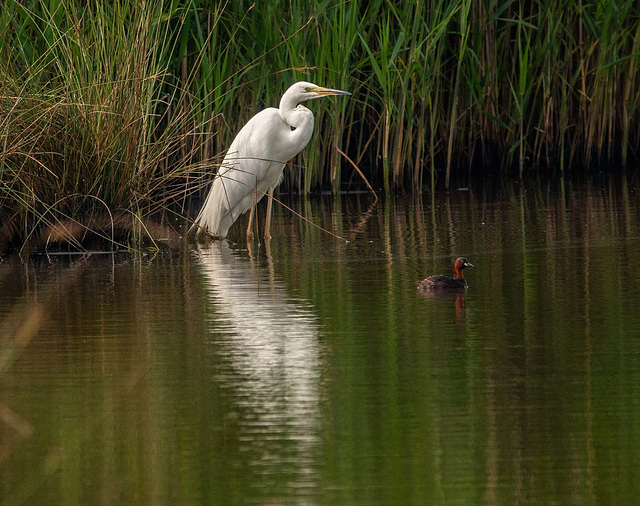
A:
x: 224, y: 176
x: 309, y: 221
x: 359, y: 172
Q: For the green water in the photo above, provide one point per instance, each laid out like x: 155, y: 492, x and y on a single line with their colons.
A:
x: 313, y: 372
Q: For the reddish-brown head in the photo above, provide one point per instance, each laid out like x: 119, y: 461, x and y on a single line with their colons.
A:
x: 459, y: 265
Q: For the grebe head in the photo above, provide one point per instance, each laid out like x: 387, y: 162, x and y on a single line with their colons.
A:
x: 460, y: 264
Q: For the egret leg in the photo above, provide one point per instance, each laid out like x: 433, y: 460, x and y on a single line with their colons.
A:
x: 267, y: 249
x: 251, y: 250
x: 267, y: 223
x: 250, y: 226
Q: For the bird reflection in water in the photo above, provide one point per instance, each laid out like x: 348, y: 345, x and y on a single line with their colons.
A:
x: 460, y: 302
x: 268, y: 343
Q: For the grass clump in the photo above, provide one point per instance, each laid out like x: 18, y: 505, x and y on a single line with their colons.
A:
x: 89, y: 123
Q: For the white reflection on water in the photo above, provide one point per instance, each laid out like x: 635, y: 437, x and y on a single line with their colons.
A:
x: 269, y: 344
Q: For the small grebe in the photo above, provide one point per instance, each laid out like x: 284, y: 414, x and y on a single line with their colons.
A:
x: 440, y: 282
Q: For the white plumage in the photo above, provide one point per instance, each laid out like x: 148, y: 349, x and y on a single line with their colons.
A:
x: 254, y: 162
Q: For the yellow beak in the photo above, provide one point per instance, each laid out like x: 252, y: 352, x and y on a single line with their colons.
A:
x: 328, y: 91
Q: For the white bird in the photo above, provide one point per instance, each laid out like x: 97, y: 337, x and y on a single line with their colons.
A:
x: 256, y: 158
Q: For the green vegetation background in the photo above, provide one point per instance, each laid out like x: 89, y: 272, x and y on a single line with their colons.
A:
x: 123, y: 107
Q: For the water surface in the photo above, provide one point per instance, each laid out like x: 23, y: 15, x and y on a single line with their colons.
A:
x: 311, y: 371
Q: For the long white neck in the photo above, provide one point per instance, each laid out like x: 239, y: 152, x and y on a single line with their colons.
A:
x: 300, y: 120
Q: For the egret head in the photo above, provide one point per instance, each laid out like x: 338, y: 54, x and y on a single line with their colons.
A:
x: 303, y: 91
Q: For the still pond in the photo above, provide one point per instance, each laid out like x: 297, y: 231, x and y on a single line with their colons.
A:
x: 313, y: 372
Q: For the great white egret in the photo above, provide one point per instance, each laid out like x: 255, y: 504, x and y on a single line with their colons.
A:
x: 254, y: 162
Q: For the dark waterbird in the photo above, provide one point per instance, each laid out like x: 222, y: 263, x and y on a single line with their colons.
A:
x: 440, y: 282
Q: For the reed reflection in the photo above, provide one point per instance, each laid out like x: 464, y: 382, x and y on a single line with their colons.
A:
x: 269, y: 342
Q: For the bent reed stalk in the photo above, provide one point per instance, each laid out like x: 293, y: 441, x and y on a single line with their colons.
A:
x: 126, y: 106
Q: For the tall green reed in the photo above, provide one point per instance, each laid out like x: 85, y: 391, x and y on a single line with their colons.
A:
x: 441, y: 89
